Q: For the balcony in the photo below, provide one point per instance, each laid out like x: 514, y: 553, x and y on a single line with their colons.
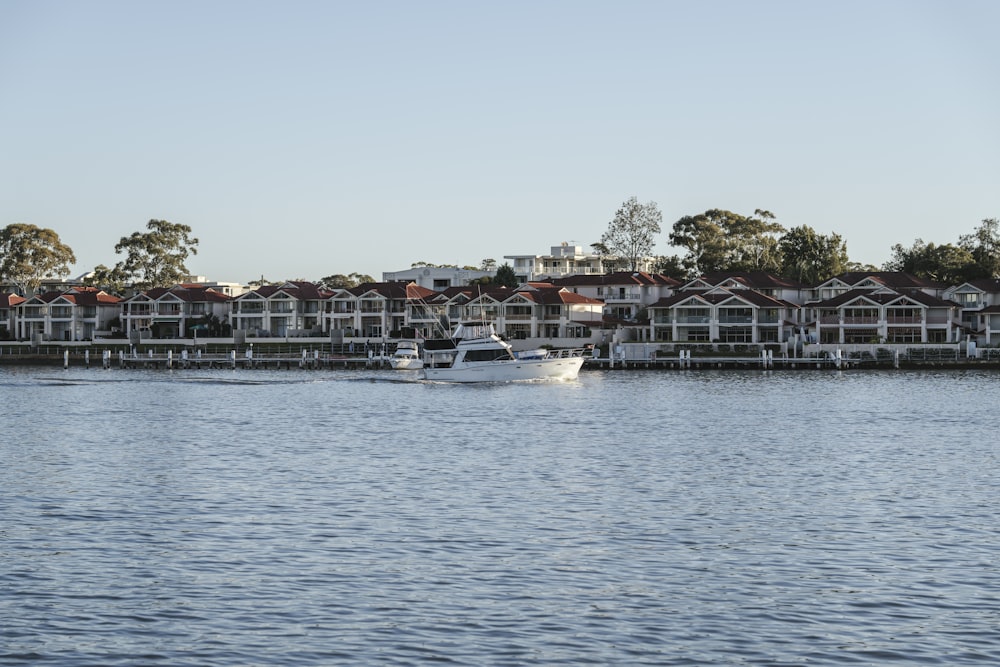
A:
x: 735, y: 319
x: 620, y: 296
x: 692, y: 319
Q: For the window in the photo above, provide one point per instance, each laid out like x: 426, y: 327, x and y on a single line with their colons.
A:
x: 736, y: 335
x: 696, y: 334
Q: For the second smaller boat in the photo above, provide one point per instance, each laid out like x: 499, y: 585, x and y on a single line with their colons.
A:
x: 406, y: 357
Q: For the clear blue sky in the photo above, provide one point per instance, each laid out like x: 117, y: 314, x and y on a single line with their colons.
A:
x: 302, y: 139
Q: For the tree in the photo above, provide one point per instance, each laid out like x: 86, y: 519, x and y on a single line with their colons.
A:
x: 340, y: 281
x: 111, y: 279
x: 984, y: 245
x: 155, y: 258
x: 810, y: 258
x: 720, y: 240
x: 753, y: 242
x: 29, y: 254
x: 505, y: 276
x: 670, y: 266
x: 488, y: 265
x: 944, y: 263
x: 630, y: 233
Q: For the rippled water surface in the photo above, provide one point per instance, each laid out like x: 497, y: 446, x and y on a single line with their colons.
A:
x: 668, y: 518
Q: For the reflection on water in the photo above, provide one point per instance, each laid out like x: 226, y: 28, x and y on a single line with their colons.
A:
x: 670, y: 518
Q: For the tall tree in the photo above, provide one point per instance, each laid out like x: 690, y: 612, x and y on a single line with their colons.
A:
x: 944, y: 263
x: 505, y: 276
x: 29, y: 254
x: 671, y: 266
x: 753, y: 242
x: 810, y: 258
x: 984, y: 245
x: 155, y: 258
x: 630, y: 234
x: 720, y: 240
x: 339, y: 280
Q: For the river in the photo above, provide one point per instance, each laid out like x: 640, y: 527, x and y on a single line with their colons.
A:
x: 291, y: 517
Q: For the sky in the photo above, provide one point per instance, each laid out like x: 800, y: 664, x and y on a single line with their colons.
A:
x: 304, y: 139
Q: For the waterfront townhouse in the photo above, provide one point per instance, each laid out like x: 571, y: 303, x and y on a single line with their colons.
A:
x: 881, y: 307
x: 557, y: 312
x: 893, y: 280
x: 176, y: 312
x: 294, y: 308
x: 979, y: 304
x: 760, y: 282
x: 533, y: 311
x: 883, y: 315
x: 728, y: 307
x: 73, y: 315
x: 721, y: 314
x: 8, y: 302
x: 375, y: 310
x: 626, y: 294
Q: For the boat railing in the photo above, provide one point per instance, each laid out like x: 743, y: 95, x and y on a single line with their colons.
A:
x: 566, y: 353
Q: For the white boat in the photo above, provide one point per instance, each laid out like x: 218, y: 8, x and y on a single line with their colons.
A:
x: 477, y: 354
x: 406, y: 357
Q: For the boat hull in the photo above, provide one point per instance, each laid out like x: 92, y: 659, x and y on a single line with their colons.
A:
x: 406, y: 364
x: 563, y: 368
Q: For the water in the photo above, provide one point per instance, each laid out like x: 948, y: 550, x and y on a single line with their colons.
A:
x: 669, y: 518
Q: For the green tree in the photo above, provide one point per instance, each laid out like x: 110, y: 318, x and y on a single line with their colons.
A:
x: 720, y: 240
x: 488, y: 265
x: 984, y: 246
x: 630, y: 234
x: 670, y: 266
x: 810, y: 258
x: 753, y: 242
x: 155, y: 258
x: 29, y: 254
x: 110, y: 279
x: 340, y: 281
x: 944, y: 263
x: 505, y: 276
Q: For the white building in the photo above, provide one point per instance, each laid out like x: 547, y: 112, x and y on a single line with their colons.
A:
x: 567, y: 259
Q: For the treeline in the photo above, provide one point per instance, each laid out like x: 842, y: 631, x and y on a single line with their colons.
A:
x: 720, y: 240
x: 713, y: 241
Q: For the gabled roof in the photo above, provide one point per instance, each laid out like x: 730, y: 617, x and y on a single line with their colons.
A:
x: 750, y: 280
x: 560, y: 295
x: 303, y: 291
x: 883, y: 297
x: 987, y: 285
x: 896, y: 280
x: 396, y: 289
x: 8, y: 300
x: 189, y: 293
x: 616, y: 278
x: 718, y: 296
x: 80, y: 296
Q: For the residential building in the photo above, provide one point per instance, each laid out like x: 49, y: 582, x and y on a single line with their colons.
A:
x: 8, y: 302
x: 881, y: 307
x: 979, y: 309
x: 721, y: 314
x: 566, y: 259
x: 175, y: 312
x: 437, y: 277
x: 376, y: 310
x: 290, y: 309
x: 626, y: 294
x: 75, y: 314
